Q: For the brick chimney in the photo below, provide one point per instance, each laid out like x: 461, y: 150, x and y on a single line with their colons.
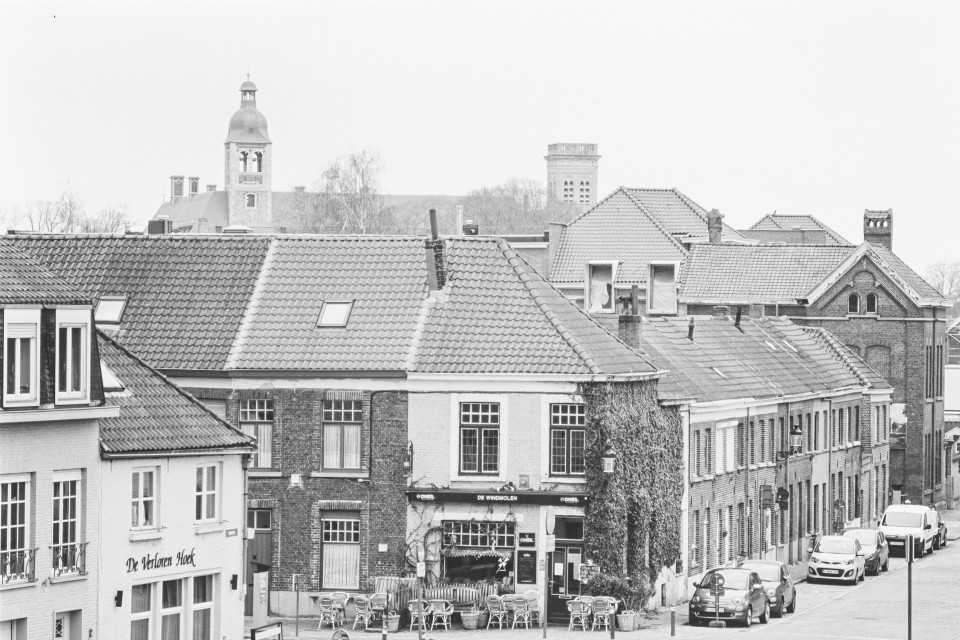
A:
x: 628, y: 324
x: 211, y: 187
x: 878, y: 227
x: 436, y: 261
x: 715, y: 226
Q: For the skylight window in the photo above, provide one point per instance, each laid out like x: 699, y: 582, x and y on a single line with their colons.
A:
x: 334, y: 314
x: 110, y: 309
x: 110, y: 381
x: 793, y: 348
x: 718, y: 372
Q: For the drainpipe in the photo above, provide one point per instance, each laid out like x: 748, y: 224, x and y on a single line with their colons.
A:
x: 786, y: 474
x: 828, y: 525
x: 749, y: 522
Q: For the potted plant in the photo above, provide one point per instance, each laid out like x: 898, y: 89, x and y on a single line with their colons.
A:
x: 470, y: 619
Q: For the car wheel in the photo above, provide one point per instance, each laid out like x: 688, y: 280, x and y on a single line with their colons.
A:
x: 886, y: 564
x: 778, y: 612
x: 863, y: 574
x: 936, y: 542
x: 944, y: 542
x: 793, y: 603
x: 748, y: 620
x: 765, y: 616
x: 811, y: 580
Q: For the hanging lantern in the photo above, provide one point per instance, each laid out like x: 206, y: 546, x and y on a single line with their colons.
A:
x: 796, y: 438
x: 609, y: 459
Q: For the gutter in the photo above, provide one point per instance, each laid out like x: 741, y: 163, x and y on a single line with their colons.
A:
x: 175, y: 453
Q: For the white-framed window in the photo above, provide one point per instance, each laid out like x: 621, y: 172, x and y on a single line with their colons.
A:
x: 256, y: 420
x: 599, y: 296
x: 340, y: 551
x: 141, y: 611
x: 177, y: 609
x: 143, y: 505
x: 251, y: 200
x: 725, y: 450
x: 110, y: 309
x: 662, y: 288
x: 69, y: 554
x: 342, y: 422
x: 207, y: 493
x: 202, y: 609
x: 567, y: 438
x: 16, y: 557
x: 73, y: 368
x: 21, y: 371
x: 171, y: 609
x: 480, y: 438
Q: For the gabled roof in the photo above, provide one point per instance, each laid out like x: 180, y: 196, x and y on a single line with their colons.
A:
x: 24, y: 281
x: 864, y: 372
x: 773, y: 222
x: 156, y: 416
x: 679, y: 214
x: 762, y: 358
x: 252, y: 303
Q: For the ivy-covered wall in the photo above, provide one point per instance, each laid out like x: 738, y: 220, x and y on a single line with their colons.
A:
x: 632, y: 524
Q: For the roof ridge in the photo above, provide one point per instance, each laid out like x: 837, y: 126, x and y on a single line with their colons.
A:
x: 250, y: 308
x: 658, y: 224
x: 839, y: 352
x: 428, y: 303
x: 599, y: 202
x: 180, y: 390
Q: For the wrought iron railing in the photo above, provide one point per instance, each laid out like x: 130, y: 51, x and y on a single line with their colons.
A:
x: 69, y: 559
x: 17, y: 566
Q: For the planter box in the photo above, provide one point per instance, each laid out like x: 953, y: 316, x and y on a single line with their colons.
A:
x: 469, y: 620
x: 627, y: 621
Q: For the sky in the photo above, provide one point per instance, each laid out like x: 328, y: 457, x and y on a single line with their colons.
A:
x: 821, y: 108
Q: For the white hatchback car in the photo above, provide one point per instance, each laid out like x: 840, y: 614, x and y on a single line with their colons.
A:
x: 836, y: 558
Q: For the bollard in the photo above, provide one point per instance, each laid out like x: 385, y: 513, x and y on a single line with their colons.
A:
x: 612, y: 625
x: 673, y: 621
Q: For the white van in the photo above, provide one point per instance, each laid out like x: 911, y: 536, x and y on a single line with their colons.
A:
x: 901, y: 520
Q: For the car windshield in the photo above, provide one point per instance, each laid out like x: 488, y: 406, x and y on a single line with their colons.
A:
x: 902, y: 519
x: 731, y: 579
x: 835, y: 545
x: 865, y: 536
x: 767, y: 572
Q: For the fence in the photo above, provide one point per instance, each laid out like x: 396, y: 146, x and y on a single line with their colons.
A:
x: 403, y: 590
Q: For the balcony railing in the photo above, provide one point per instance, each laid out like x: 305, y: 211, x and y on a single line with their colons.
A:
x: 69, y: 559
x: 251, y: 178
x: 17, y: 566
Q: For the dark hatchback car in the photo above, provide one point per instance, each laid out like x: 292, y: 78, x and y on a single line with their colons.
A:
x: 875, y: 549
x: 743, y: 598
x: 777, y: 583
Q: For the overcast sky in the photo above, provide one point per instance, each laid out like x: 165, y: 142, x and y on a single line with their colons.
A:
x: 824, y: 108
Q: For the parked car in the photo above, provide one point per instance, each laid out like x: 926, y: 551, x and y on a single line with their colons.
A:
x: 777, y: 583
x: 743, y: 597
x: 940, y: 539
x: 901, y: 520
x: 836, y: 558
x: 875, y: 548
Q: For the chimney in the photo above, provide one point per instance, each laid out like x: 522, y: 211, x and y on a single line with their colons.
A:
x: 194, y: 183
x: 878, y: 227
x: 436, y: 265
x: 715, y: 226
x: 160, y: 226
x: 690, y: 328
x: 211, y: 187
x: 300, y: 189
x: 628, y: 325
x: 470, y: 228
x: 176, y: 187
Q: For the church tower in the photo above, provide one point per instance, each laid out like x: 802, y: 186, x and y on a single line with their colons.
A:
x: 248, y: 162
x: 572, y: 173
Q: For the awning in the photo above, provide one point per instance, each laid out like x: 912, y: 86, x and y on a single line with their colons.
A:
x: 476, y: 552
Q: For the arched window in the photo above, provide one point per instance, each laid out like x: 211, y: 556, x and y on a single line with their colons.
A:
x: 259, y: 162
x: 871, y: 303
x: 243, y: 161
x: 853, y: 303
x: 251, y: 200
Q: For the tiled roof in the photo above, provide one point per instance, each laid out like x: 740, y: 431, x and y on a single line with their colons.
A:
x: 156, y: 415
x: 763, y: 358
x: 781, y: 222
x: 847, y: 358
x: 617, y: 229
x: 911, y: 277
x: 678, y: 213
x: 24, y: 281
x: 185, y: 294
x: 202, y: 213
x: 759, y: 273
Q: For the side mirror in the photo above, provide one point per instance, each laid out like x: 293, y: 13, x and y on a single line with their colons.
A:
x: 696, y: 585
x: 927, y: 526
x: 809, y: 549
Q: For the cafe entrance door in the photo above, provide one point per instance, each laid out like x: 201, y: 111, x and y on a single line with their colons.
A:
x: 564, y: 565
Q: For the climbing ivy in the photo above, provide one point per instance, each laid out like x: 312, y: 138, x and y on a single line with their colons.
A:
x: 632, y: 524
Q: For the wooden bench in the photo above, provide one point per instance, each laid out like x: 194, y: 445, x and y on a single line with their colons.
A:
x: 462, y: 598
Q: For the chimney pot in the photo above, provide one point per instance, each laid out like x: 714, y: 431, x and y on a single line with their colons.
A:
x: 690, y: 328
x: 878, y: 227
x: 211, y: 187
x: 715, y: 226
x: 300, y: 189
x: 434, y: 233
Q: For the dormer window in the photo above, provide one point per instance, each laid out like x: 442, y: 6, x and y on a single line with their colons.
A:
x: 21, y: 328
x: 251, y: 200
x: 662, y: 288
x: 110, y: 309
x: 853, y: 304
x: 73, y: 327
x: 599, y: 290
x: 335, y: 314
x: 871, y: 303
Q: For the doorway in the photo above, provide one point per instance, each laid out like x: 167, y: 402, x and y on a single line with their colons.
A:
x: 564, y: 565
x: 258, y: 550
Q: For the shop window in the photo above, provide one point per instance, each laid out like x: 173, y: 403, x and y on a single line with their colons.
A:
x: 179, y: 609
x: 342, y: 420
x: 202, y: 608
x: 143, y: 508
x: 256, y: 420
x: 478, y: 551
x: 480, y: 437
x: 567, y: 438
x: 21, y: 371
x: 340, y: 552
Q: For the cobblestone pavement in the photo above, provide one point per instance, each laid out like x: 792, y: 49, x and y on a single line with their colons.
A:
x: 875, y: 609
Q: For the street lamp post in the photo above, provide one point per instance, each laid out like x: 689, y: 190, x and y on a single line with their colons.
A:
x: 609, y: 458
x: 550, y: 522
x: 421, y: 573
x: 796, y: 440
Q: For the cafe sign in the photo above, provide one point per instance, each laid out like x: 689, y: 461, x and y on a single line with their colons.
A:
x: 498, y: 497
x: 156, y: 561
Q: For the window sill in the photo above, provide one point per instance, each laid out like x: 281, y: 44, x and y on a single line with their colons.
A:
x: 70, y: 577
x: 200, y: 528
x: 565, y: 479
x: 65, y: 402
x: 478, y: 478
x: 264, y: 473
x: 18, y: 584
x: 334, y: 473
x: 144, y: 534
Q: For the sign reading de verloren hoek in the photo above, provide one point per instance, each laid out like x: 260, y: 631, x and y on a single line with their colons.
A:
x: 156, y: 561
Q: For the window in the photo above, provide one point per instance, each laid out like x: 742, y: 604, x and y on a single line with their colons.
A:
x: 342, y: 420
x: 567, y: 438
x: 697, y: 539
x: 69, y: 554
x: 479, y: 437
x: 466, y: 533
x: 143, y: 513
x: 871, y: 303
x: 110, y: 309
x: 334, y: 314
x: 698, y: 467
x: 171, y: 608
x: 177, y: 187
x: 202, y: 608
x: 141, y: 601
x: 568, y: 190
x: 853, y: 303
x: 179, y: 609
x: 206, y: 496
x: 72, y: 359
x: 259, y: 159
x: 662, y: 289
x: 256, y: 420
x: 258, y: 519
x: 16, y: 560
x: 251, y: 200
x: 584, y: 191
x: 244, y: 158
x: 340, y: 553
x: 599, y: 294
x: 21, y: 373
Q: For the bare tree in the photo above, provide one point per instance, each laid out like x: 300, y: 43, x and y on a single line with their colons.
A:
x: 111, y: 219
x: 519, y: 205
x: 945, y: 276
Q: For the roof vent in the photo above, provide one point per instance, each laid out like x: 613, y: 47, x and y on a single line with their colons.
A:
x: 237, y: 229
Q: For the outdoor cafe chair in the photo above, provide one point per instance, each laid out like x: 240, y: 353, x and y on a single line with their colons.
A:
x: 587, y: 600
x: 379, y: 604
x: 364, y: 611
x: 340, y: 602
x: 498, y: 611
x: 419, y: 613
x: 603, y: 610
x: 440, y: 611
x: 579, y: 613
x: 521, y: 612
x: 328, y: 612
x: 533, y: 604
